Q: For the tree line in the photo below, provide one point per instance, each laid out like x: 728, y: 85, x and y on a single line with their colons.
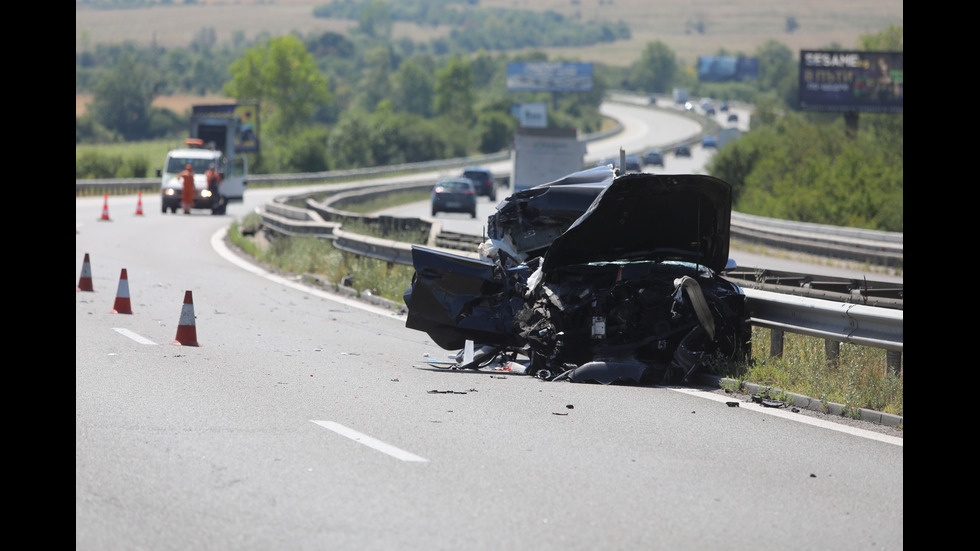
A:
x: 334, y: 101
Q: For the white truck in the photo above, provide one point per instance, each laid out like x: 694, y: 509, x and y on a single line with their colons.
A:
x: 213, y: 141
x: 681, y: 96
x: 542, y: 155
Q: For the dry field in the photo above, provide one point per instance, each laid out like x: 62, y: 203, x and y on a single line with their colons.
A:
x: 738, y: 26
x: 177, y: 104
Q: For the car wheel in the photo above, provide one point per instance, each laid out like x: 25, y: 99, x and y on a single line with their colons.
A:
x: 163, y: 209
x: 472, y: 214
x: 434, y: 211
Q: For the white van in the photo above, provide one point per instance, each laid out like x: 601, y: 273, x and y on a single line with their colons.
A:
x: 233, y: 181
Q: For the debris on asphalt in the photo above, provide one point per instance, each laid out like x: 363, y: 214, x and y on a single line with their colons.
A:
x: 766, y: 402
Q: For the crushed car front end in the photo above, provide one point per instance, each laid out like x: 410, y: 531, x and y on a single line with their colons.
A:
x: 594, y: 278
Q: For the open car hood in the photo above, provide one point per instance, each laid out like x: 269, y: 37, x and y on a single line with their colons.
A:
x: 594, y: 216
x: 528, y: 221
x: 683, y: 217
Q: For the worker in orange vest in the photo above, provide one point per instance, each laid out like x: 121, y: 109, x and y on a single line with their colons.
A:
x: 187, y: 193
x: 214, y: 182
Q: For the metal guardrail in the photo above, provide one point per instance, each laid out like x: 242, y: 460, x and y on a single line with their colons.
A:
x: 838, y: 321
x: 97, y: 186
x: 834, y: 321
x: 875, y: 247
x: 116, y: 185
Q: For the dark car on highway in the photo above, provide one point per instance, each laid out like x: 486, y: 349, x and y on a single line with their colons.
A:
x: 483, y: 182
x: 596, y: 277
x: 653, y: 157
x: 454, y: 195
x: 633, y: 163
x: 682, y: 151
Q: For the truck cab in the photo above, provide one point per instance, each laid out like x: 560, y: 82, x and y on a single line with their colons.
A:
x: 233, y: 178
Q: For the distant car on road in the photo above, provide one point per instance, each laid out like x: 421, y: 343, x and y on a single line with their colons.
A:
x: 633, y: 163
x: 482, y: 181
x: 654, y: 157
x: 733, y: 117
x: 709, y: 111
x: 709, y: 141
x: 682, y: 151
x: 454, y: 195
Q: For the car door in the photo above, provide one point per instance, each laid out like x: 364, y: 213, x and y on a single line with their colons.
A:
x: 455, y: 298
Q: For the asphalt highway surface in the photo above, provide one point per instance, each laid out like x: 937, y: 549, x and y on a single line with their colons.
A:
x: 303, y: 420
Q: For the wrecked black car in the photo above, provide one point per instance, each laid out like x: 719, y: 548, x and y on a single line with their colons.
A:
x: 596, y: 277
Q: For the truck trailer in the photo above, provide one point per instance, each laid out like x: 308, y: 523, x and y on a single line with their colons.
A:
x: 542, y: 155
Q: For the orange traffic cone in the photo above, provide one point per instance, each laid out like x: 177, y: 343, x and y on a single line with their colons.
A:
x: 139, y: 205
x: 122, y: 305
x: 105, y: 208
x: 186, y: 332
x: 85, y: 281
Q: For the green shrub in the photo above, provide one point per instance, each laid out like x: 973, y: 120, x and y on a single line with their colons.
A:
x: 92, y: 164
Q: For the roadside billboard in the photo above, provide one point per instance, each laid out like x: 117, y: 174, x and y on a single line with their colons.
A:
x: 851, y: 81
x: 727, y: 68
x: 549, y: 77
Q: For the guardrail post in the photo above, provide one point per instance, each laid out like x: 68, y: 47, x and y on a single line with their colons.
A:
x: 832, y: 351
x: 776, y: 343
x: 893, y: 360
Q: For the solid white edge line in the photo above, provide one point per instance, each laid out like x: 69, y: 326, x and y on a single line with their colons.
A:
x: 218, y: 244
x: 786, y: 414
x: 127, y: 333
x: 370, y: 442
